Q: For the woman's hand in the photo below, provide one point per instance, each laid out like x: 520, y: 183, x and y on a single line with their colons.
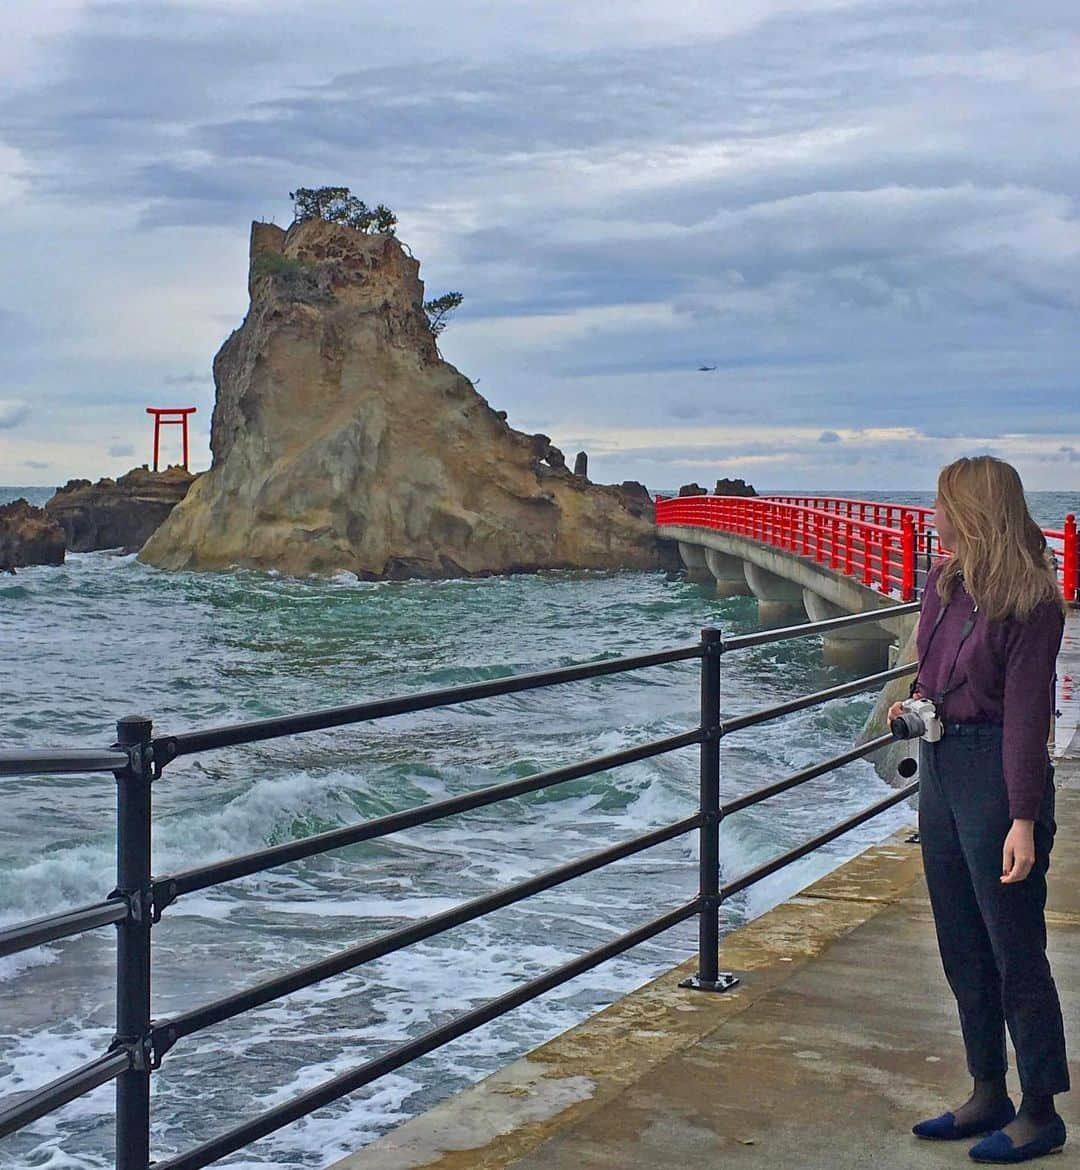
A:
x: 897, y: 708
x: 1018, y: 854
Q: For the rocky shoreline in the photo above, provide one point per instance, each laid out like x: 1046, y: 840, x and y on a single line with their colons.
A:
x: 28, y: 536
x: 83, y: 517
x: 122, y: 513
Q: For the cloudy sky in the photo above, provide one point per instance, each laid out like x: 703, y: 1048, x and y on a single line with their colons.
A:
x: 864, y: 213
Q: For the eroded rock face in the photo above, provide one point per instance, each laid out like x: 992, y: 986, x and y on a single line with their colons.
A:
x: 28, y: 536
x: 117, y: 513
x: 342, y: 440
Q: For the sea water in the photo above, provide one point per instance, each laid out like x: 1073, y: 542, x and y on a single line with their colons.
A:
x: 103, y: 636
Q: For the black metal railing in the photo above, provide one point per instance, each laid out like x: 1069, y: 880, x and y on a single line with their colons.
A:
x: 139, y: 900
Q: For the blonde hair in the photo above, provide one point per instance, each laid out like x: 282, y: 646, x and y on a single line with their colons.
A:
x: 1000, y: 551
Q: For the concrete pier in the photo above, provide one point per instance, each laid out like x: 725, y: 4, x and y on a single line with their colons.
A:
x: 728, y: 573
x: 697, y: 568
x: 780, y: 601
x: 841, y: 1034
x: 791, y: 589
x: 863, y: 649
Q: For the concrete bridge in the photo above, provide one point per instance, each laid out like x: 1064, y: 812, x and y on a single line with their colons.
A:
x: 818, y: 557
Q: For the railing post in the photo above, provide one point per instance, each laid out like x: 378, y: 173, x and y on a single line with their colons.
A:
x: 708, y: 978
x: 133, y: 944
x: 1070, y: 555
x: 907, y: 553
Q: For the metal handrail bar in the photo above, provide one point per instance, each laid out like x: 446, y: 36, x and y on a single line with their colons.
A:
x: 64, y: 1089
x: 61, y: 925
x: 189, y: 742
x: 763, y: 637
x: 349, y: 1082
x: 740, y: 722
x: 188, y: 881
x: 838, y: 830
x: 61, y: 762
x: 171, y: 1030
x: 811, y: 773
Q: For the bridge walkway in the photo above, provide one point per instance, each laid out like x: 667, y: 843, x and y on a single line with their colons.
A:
x: 884, y: 548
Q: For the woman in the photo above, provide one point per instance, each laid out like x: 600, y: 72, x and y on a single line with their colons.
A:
x: 988, y: 639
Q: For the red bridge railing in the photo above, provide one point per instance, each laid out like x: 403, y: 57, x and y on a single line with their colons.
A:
x: 888, y: 547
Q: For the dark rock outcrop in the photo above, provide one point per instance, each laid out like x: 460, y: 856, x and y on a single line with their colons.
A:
x: 117, y: 513
x: 693, y: 489
x: 733, y: 487
x: 636, y: 497
x: 28, y: 536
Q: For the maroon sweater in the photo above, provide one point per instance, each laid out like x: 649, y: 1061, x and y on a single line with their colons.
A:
x: 1005, y: 673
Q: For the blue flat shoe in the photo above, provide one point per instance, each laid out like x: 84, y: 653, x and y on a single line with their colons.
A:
x: 945, y: 1129
x: 999, y: 1147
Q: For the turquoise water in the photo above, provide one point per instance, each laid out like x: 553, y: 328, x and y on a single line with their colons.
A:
x: 103, y: 636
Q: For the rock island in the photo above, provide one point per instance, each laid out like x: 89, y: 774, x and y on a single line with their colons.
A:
x: 342, y: 440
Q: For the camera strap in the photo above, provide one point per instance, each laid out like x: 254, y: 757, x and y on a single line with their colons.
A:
x: 965, y: 633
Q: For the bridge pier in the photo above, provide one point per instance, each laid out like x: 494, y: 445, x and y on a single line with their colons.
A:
x: 791, y: 589
x: 780, y: 601
x: 728, y: 572
x: 864, y: 648
x: 697, y: 568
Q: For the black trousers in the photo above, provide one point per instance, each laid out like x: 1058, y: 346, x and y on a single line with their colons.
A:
x: 992, y: 937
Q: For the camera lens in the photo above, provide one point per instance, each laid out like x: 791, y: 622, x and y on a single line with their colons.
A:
x: 907, y: 726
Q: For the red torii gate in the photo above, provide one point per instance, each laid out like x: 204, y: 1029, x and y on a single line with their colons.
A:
x: 164, y: 416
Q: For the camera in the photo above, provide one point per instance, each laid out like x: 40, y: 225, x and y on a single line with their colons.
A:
x: 917, y: 718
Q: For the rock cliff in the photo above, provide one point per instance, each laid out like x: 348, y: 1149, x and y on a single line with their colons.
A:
x: 342, y: 440
x: 117, y: 513
x: 28, y: 536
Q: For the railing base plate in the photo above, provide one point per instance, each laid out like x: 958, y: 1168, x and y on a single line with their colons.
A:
x: 724, y: 981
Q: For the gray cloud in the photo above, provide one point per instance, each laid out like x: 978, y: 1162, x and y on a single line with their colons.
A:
x: 829, y: 437
x: 186, y: 379
x: 12, y: 412
x: 842, y: 207
x: 36, y: 464
x: 118, y: 450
